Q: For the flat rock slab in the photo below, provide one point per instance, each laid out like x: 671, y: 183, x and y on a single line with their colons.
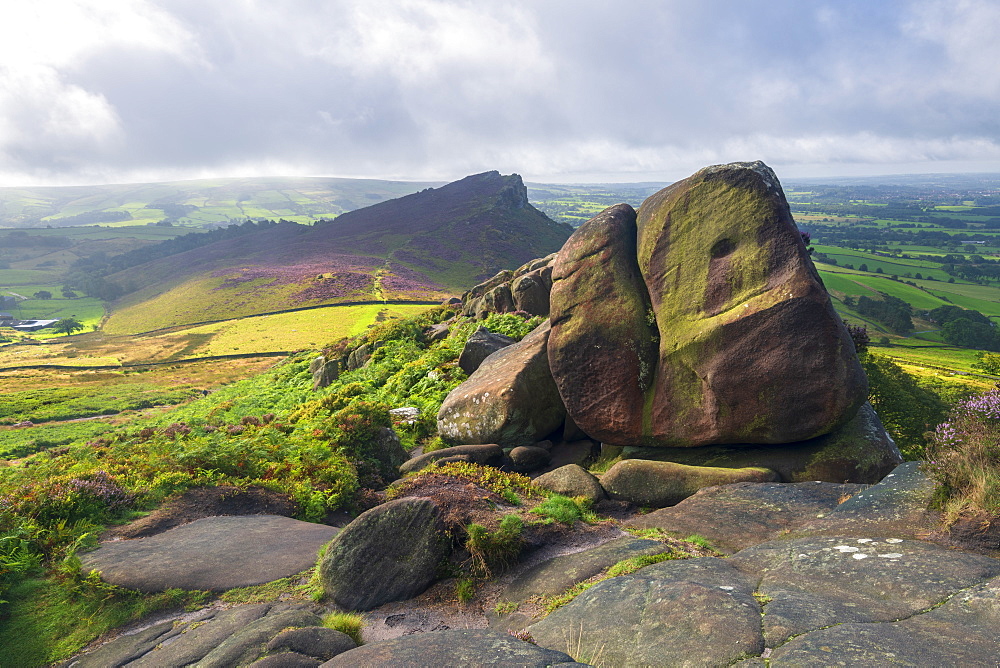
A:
x: 214, y: 553
x: 965, y: 631
x: 460, y: 647
x: 733, y: 517
x: 696, y: 612
x: 895, y: 507
x: 818, y: 582
x: 557, y: 575
x: 213, y: 638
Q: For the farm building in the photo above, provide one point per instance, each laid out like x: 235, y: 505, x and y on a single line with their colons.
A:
x: 33, y: 325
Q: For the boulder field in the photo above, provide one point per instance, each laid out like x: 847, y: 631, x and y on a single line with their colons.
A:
x: 694, y: 330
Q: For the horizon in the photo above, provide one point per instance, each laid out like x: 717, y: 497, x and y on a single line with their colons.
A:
x: 148, y: 91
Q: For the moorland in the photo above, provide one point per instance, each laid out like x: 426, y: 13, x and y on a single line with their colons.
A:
x: 203, y: 303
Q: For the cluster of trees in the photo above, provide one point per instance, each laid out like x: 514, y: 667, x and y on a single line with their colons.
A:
x: 22, y: 239
x: 966, y: 327
x: 891, y: 311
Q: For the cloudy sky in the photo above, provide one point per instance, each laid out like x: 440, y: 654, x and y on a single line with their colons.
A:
x: 102, y: 91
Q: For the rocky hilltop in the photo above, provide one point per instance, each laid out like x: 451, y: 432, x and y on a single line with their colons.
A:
x: 695, y: 330
x: 705, y: 484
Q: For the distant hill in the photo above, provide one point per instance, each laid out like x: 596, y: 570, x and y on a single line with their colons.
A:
x: 425, y: 245
x: 195, y: 203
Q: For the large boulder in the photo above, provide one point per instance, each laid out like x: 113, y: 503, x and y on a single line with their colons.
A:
x: 602, y: 350
x: 531, y: 291
x: 479, y: 346
x: 659, y: 484
x: 751, y: 350
x: 510, y: 400
x: 369, y: 563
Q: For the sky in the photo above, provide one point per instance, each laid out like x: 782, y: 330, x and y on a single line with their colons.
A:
x: 559, y: 91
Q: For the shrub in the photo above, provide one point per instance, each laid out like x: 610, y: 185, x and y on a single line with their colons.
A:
x: 964, y: 454
x: 907, y: 410
x: 493, y: 551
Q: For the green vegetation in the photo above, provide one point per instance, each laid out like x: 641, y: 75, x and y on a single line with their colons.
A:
x: 558, y: 508
x: 491, y: 552
x: 349, y: 623
x: 907, y: 410
x: 964, y: 455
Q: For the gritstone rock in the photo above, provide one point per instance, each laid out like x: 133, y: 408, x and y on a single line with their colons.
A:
x: 368, y: 564
x: 510, y: 400
x: 481, y: 345
x: 658, y: 484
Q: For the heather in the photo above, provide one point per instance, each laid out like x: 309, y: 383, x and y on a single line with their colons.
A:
x: 964, y: 457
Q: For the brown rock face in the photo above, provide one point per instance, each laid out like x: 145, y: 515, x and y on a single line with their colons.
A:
x: 602, y: 349
x: 751, y: 350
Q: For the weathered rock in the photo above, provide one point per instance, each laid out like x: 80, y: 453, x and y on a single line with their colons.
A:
x: 437, y: 332
x: 531, y: 291
x: 286, y: 660
x: 369, y: 563
x: 497, y: 300
x: 388, y: 450
x: 510, y: 400
x: 694, y: 612
x: 751, y: 350
x: 458, y: 647
x: 526, y: 458
x: 860, y: 451
x: 360, y: 356
x: 471, y: 300
x: 658, y: 484
x: 733, y: 517
x: 556, y: 575
x: 817, y: 582
x: 211, y: 638
x: 580, y: 453
x: 247, y: 643
x: 481, y: 345
x: 324, y: 371
x: 213, y: 553
x: 962, y: 632
x: 318, y: 642
x: 488, y: 454
x: 572, y: 480
x: 895, y: 507
x: 602, y: 350
x: 404, y: 415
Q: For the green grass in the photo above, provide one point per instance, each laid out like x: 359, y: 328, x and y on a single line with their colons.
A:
x: 42, y: 622
x: 349, y: 623
x: 77, y: 402
x: 22, y: 442
x: 559, y: 508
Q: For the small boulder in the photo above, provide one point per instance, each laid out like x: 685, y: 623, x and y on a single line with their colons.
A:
x: 531, y: 291
x: 526, y: 458
x: 405, y: 415
x: 369, y: 563
x: 659, y: 484
x: 481, y: 345
x: 438, y: 332
x: 572, y: 480
x: 488, y: 454
x: 318, y: 642
x: 360, y: 356
x: 388, y: 450
x: 324, y: 371
x: 510, y: 400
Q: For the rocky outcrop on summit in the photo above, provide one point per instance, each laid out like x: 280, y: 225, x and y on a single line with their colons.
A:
x: 751, y: 350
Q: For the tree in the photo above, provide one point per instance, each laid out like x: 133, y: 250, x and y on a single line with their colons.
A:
x: 988, y: 362
x: 42, y: 294
x: 68, y: 325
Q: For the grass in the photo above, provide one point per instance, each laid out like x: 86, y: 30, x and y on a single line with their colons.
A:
x: 559, y: 508
x: 350, y: 623
x: 491, y: 552
x: 43, y: 617
x: 69, y: 403
x: 300, y: 587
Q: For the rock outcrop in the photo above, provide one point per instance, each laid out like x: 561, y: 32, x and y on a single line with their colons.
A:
x: 479, y: 346
x: 510, y: 400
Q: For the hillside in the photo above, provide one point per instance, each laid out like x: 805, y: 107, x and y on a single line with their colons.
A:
x: 195, y: 203
x: 424, y: 246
